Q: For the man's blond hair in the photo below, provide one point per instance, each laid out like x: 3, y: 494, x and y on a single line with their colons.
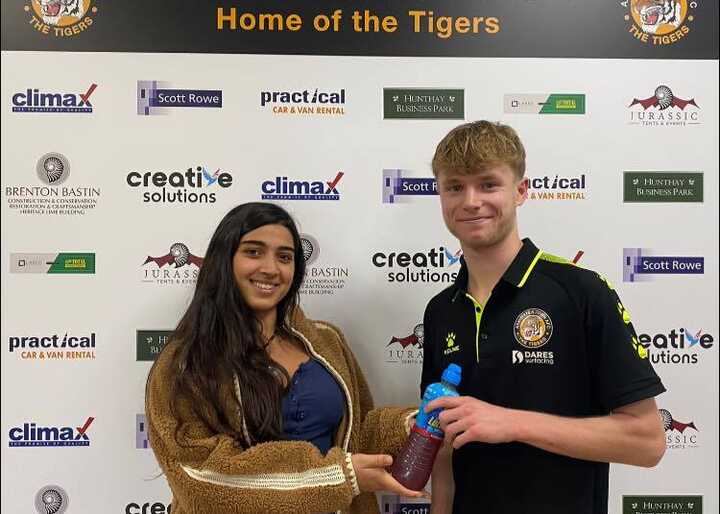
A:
x: 475, y: 146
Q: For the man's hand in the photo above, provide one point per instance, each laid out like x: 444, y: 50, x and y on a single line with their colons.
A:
x: 466, y: 419
x: 372, y: 475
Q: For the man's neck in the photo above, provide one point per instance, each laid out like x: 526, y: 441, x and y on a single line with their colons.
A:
x: 487, y: 265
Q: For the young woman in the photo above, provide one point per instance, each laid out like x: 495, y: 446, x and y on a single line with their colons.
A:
x: 253, y: 408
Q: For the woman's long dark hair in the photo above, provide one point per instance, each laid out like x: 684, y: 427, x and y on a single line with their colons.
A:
x: 220, y: 337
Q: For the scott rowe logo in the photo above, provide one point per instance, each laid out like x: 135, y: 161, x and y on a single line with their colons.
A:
x: 149, y: 343
x: 37, y: 101
x: 326, y: 279
x: 156, y: 97
x: 679, y: 435
x: 50, y: 198
x: 664, y: 109
x: 196, y: 185
x: 407, y: 349
x: 660, y: 186
x: 52, y: 263
x: 32, y: 435
x: 678, y: 346
x: 306, y: 102
x: 640, y: 265
x: 431, y: 266
x: 141, y: 434
x: 397, y: 187
x: 53, y: 347
x: 51, y: 499
x: 283, y: 188
x: 659, y: 22
x: 557, y: 187
x: 178, y: 266
x: 544, y: 103
x: 423, y: 103
x: 394, y: 504
x: 60, y: 18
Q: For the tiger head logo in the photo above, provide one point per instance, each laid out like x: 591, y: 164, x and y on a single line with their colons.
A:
x: 61, y: 12
x: 658, y: 16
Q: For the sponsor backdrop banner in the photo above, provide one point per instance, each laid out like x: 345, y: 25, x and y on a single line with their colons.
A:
x: 131, y: 128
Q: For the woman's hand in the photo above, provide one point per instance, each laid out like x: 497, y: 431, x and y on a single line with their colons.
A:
x: 372, y: 475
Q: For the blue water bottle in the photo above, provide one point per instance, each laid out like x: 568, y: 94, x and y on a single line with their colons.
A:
x: 414, y: 463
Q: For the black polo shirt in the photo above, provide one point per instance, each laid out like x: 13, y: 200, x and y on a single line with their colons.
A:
x: 553, y: 338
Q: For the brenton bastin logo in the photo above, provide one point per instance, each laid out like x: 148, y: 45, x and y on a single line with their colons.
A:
x: 408, y: 349
x: 149, y: 343
x: 307, y: 102
x: 678, y: 346
x: 61, y: 18
x: 432, y: 266
x: 397, y: 187
x: 544, y: 103
x: 51, y: 263
x: 53, y: 347
x: 679, y: 435
x: 34, y: 435
x: 38, y: 101
x: 178, y: 266
x: 51, y: 499
x: 141, y: 434
x: 198, y: 184
x: 157, y: 97
x: 662, y: 504
x: 659, y: 22
x: 640, y: 265
x: 557, y: 187
x: 54, y: 197
x: 325, y: 279
x: 424, y: 103
x: 664, y: 109
x: 659, y: 186
x: 283, y: 188
x: 533, y: 328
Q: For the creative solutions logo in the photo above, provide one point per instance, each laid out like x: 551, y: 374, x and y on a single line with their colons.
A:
x: 61, y: 18
x: 307, y: 102
x: 50, y: 198
x: 53, y: 347
x: 662, y: 504
x: 36, y: 101
x: 408, y: 349
x: 53, y: 263
x: 436, y: 265
x: 661, y: 186
x: 282, y: 188
x: 398, y: 188
x: 195, y: 185
x: 557, y: 187
x: 423, y: 103
x: 51, y: 499
x: 156, y: 97
x: 659, y: 22
x: 149, y: 343
x: 544, y: 103
x: 33, y: 435
x: 640, y: 266
x: 320, y: 280
x: 141, y: 434
x: 663, y: 109
x: 177, y: 267
x: 678, y: 346
x: 678, y: 435
x: 147, y: 508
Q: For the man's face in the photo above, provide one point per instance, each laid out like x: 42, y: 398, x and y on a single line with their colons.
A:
x: 479, y: 208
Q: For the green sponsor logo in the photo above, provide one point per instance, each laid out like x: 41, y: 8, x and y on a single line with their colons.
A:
x: 73, y: 263
x: 554, y: 103
x: 652, y: 186
x: 424, y: 103
x: 150, y: 343
x: 662, y: 504
x: 564, y: 104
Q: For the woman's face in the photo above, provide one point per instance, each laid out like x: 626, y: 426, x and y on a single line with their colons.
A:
x: 264, y: 266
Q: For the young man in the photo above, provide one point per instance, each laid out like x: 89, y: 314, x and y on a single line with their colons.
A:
x: 555, y: 384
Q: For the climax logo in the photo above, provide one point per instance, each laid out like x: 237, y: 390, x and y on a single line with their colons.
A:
x: 32, y: 435
x: 659, y: 22
x: 284, y: 189
x: 61, y: 18
x: 33, y: 100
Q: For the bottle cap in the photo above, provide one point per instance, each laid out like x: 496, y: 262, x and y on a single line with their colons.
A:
x: 452, y: 374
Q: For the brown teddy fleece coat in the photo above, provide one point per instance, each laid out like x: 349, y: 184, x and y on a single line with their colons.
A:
x: 209, y: 473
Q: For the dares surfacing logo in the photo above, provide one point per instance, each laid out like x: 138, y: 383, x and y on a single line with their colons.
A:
x: 320, y: 280
x: 60, y: 18
x: 437, y: 265
x: 659, y: 22
x: 407, y: 349
x: 679, y: 435
x: 664, y: 109
x: 34, y: 435
x: 177, y: 267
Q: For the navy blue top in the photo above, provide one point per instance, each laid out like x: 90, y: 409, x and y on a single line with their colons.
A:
x: 313, y: 406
